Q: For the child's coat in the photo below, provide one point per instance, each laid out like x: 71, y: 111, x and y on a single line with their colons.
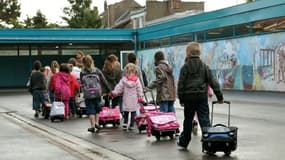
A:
x: 131, y: 89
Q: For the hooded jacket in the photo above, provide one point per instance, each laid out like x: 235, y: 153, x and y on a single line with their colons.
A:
x: 194, y: 78
x: 61, y: 86
x: 164, y: 82
x: 113, y: 77
x: 131, y: 89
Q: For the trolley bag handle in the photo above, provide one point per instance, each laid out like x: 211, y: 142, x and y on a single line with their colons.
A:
x: 152, y: 96
x: 229, y: 111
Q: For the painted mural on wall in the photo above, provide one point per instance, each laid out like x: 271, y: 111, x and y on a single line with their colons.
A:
x: 249, y: 63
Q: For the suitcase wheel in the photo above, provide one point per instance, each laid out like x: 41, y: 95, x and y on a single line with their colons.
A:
x: 52, y: 119
x: 211, y: 152
x: 157, y: 137
x: 171, y: 136
x: 227, y: 153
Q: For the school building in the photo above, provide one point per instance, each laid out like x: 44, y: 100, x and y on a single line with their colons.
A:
x: 244, y: 46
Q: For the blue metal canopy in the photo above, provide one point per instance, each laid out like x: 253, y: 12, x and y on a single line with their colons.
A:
x: 24, y: 36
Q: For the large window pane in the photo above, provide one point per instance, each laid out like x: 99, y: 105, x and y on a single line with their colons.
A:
x: 182, y: 38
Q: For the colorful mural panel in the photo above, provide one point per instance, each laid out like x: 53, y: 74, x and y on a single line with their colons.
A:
x: 248, y: 63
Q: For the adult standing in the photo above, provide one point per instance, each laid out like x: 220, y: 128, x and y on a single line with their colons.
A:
x: 194, y: 78
x: 113, y: 75
x: 164, y: 83
x: 93, y: 103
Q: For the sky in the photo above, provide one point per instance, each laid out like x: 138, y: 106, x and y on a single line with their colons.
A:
x: 52, y: 9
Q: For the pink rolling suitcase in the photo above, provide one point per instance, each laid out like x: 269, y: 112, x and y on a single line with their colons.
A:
x: 141, y: 118
x: 109, y: 116
x: 150, y: 106
x: 162, y: 124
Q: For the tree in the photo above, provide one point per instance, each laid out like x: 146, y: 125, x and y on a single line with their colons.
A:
x: 39, y: 21
x: 80, y: 15
x: 28, y: 22
x: 9, y: 13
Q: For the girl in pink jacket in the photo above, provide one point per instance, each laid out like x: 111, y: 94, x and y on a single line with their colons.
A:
x: 131, y: 89
x: 61, y: 87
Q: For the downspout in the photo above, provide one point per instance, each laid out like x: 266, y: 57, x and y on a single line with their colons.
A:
x: 135, y: 41
x: 30, y: 58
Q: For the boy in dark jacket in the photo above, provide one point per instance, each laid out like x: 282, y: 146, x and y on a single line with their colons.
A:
x: 38, y: 88
x: 194, y: 78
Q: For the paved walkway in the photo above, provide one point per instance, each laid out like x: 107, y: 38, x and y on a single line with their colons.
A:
x: 20, y: 143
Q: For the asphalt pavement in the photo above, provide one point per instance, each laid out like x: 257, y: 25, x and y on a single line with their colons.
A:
x: 258, y: 115
x: 18, y: 142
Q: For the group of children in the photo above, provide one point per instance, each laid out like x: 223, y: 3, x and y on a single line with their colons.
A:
x: 64, y: 83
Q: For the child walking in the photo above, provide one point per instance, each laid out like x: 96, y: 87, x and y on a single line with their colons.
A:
x: 38, y: 88
x: 131, y: 89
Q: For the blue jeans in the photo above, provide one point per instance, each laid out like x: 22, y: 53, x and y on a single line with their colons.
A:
x: 39, y: 97
x: 72, y: 106
x: 190, y: 107
x: 166, y: 106
x: 126, y: 118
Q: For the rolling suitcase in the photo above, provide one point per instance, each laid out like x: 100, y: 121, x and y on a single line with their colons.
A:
x: 149, y: 106
x: 162, y: 124
x: 141, y: 118
x: 219, y: 137
x: 57, y: 111
x: 109, y: 116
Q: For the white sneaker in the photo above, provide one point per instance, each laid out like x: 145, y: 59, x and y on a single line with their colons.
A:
x: 125, y: 126
x: 131, y: 128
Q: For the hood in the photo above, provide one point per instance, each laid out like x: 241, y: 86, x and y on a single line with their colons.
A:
x: 130, y: 82
x: 64, y: 76
x: 164, y: 65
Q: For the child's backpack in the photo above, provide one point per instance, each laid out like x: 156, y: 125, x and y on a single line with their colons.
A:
x: 91, y: 85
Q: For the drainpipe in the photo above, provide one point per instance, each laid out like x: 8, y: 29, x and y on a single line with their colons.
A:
x: 135, y: 40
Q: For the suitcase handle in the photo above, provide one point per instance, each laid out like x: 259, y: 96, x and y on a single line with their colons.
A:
x: 152, y: 96
x: 227, y: 102
x: 219, y: 124
x: 229, y: 111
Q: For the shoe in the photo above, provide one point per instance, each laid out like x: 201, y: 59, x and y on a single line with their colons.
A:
x: 181, y: 146
x: 177, y: 132
x: 36, y: 114
x: 131, y: 128
x: 97, y: 127
x: 125, y: 126
x: 92, y: 130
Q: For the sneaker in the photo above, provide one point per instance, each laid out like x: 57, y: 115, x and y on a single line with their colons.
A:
x: 97, y: 128
x: 125, y: 126
x: 36, y: 114
x: 92, y: 129
x: 181, y: 146
x: 131, y: 128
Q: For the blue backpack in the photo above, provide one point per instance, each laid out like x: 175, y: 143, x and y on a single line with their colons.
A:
x: 91, y: 85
